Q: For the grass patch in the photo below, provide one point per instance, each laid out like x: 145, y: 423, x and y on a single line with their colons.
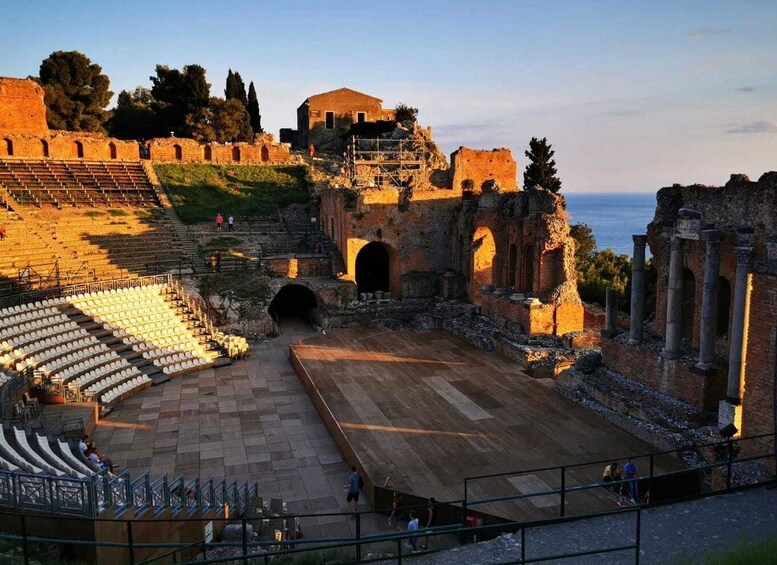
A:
x: 202, y: 191
x: 115, y: 212
x: 223, y: 243
x: 747, y: 553
x: 93, y: 214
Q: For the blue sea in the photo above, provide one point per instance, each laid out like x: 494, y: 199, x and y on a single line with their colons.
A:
x: 613, y: 217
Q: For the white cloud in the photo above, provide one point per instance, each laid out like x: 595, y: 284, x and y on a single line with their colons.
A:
x: 761, y: 126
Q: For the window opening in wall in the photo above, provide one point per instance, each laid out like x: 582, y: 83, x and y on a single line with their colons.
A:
x: 208, y: 153
x: 330, y: 120
x: 236, y: 154
x: 79, y: 150
x: 45, y: 145
x: 178, y: 152
x: 361, y: 117
x: 112, y: 149
x: 265, y: 154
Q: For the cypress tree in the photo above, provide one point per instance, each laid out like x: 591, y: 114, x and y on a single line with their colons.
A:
x: 240, y: 90
x: 253, y: 109
x: 541, y: 170
x: 231, y: 88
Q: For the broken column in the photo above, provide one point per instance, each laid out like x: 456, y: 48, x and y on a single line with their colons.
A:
x: 739, y: 316
x: 611, y: 313
x: 709, y: 304
x: 674, y: 301
x: 637, y: 289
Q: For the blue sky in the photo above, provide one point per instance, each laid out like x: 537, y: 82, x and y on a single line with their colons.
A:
x: 632, y: 95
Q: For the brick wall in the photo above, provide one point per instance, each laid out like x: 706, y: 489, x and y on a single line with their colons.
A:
x: 481, y: 165
x: 22, y: 109
x: 175, y: 149
x: 759, y: 396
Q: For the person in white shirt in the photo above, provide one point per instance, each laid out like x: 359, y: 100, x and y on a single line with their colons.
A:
x: 82, y: 445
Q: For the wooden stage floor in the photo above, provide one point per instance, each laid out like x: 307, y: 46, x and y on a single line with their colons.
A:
x: 427, y: 409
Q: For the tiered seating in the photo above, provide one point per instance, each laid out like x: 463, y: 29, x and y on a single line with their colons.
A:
x: 77, y: 183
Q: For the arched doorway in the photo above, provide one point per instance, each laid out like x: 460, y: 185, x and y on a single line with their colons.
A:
x: 512, y: 266
x: 45, y: 146
x: 208, y: 153
x: 483, y: 252
x: 724, y: 306
x: 8, y: 146
x: 265, y: 153
x: 373, y: 268
x: 112, y: 149
x: 178, y: 152
x: 236, y: 154
x: 552, y: 269
x: 294, y: 307
x: 79, y: 149
x: 527, y: 269
x: 689, y: 304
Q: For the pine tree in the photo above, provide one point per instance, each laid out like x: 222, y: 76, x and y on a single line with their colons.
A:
x: 253, y: 109
x: 541, y: 170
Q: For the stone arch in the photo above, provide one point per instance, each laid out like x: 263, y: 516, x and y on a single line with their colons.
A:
x: 178, y: 152
x: 552, y: 269
x: 236, y: 153
x: 688, y: 304
x: 527, y: 269
x: 44, y: 147
x: 265, y: 154
x: 79, y: 149
x: 512, y: 266
x: 112, y: 149
x: 724, y: 307
x: 208, y: 152
x: 377, y: 269
x: 483, y: 253
x: 8, y: 146
x: 294, y: 302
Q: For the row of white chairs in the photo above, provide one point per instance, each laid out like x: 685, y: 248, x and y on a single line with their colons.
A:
x: 184, y: 366
x: 22, y: 308
x: 29, y: 316
x: 109, y: 363
x: 103, y: 385
x: 35, y: 330
x: 85, y: 348
x: 57, y: 341
x: 124, y: 388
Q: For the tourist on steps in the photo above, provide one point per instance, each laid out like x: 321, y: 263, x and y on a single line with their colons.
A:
x: 612, y: 473
x: 412, y: 525
x: 354, y: 485
x: 430, y: 520
x: 230, y: 223
x: 631, y: 474
x: 219, y: 221
x: 396, y: 514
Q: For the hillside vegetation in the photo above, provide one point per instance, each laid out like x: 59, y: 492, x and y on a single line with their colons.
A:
x: 201, y: 191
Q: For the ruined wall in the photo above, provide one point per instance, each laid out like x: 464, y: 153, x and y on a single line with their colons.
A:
x: 183, y: 150
x: 57, y: 144
x: 346, y: 105
x: 760, y: 394
x: 481, y: 165
x: 22, y: 109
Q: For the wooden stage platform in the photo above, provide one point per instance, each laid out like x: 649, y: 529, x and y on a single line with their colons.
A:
x: 427, y: 409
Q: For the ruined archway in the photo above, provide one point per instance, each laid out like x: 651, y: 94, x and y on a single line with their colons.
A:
x: 293, y: 306
x: 483, y: 252
x: 112, y: 149
x: 724, y: 307
x: 8, y: 146
x: 79, y: 149
x: 265, y: 154
x: 45, y: 147
x: 688, y: 304
x: 178, y: 152
x: 374, y: 268
x: 236, y: 154
x: 552, y: 269
x: 527, y: 269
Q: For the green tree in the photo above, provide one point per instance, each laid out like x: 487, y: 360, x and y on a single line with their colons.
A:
x: 585, y: 242
x: 541, y: 170
x: 224, y: 121
x: 134, y: 116
x: 253, y: 109
x: 405, y: 113
x: 236, y: 88
x: 76, y: 92
x: 178, y: 94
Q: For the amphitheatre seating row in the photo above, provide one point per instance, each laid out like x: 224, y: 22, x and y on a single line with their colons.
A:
x: 104, y: 345
x: 77, y: 183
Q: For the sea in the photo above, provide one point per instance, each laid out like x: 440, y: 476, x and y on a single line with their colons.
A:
x: 613, y: 216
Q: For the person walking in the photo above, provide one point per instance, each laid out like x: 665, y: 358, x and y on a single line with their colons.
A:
x: 219, y: 221
x: 230, y: 223
x: 431, y: 520
x: 631, y: 474
x: 412, y: 525
x: 354, y: 486
x: 396, y: 514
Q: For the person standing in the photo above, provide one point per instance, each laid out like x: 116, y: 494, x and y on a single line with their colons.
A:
x: 631, y: 474
x: 396, y: 514
x: 230, y: 223
x: 219, y: 221
x: 412, y: 525
x: 431, y: 520
x: 354, y: 486
x: 218, y: 261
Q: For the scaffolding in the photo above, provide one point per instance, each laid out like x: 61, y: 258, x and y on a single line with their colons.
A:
x: 383, y: 162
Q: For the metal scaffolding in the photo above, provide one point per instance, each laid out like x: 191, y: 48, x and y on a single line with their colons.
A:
x: 384, y: 162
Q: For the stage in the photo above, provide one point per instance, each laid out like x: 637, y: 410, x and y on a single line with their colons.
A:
x: 427, y: 409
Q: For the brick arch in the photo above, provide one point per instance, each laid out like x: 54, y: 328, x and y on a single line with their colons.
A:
x: 8, y: 146
x: 112, y: 150
x: 482, y: 264
x: 79, y: 149
x: 178, y: 152
x: 208, y: 153
x: 265, y: 154
x: 236, y: 153
x: 44, y: 147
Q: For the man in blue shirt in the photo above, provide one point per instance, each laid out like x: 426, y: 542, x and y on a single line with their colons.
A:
x: 354, y: 486
x: 631, y: 474
x: 412, y: 525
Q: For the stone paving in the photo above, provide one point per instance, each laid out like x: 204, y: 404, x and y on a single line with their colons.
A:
x: 250, y: 421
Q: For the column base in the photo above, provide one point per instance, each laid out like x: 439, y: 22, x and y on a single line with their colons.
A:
x: 671, y: 354
x: 635, y: 341
x: 705, y: 369
x: 729, y: 415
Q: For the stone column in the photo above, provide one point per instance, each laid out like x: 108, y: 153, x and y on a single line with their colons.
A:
x: 674, y: 301
x: 637, y: 289
x: 709, y: 303
x: 610, y: 313
x: 739, y: 319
